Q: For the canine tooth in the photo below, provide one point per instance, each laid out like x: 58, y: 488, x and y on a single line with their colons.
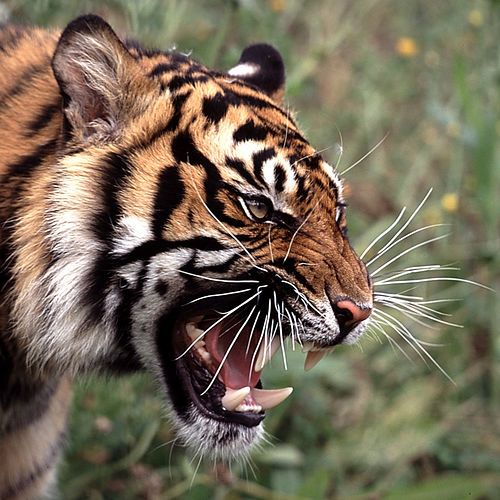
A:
x: 272, y: 397
x: 192, y: 331
x: 266, y: 353
x: 234, y: 397
x: 313, y: 358
x: 307, y: 346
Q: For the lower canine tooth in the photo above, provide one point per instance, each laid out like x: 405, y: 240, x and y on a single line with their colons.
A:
x: 234, y: 397
x: 270, y: 398
x: 266, y: 353
x: 313, y: 358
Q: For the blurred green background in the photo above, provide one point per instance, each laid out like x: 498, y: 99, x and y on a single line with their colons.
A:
x: 369, y: 422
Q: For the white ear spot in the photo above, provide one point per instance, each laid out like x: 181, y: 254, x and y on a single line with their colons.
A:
x: 244, y: 70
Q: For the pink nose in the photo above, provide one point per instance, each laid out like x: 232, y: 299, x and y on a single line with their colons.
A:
x: 349, y: 315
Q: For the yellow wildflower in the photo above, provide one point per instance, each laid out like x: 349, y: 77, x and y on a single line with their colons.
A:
x: 406, y: 47
x: 277, y: 5
x: 449, y: 202
x: 476, y: 18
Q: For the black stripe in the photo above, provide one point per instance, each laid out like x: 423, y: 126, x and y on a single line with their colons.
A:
x: 115, y: 170
x: 249, y: 131
x: 17, y: 175
x: 173, y: 122
x: 259, y: 159
x: 185, y: 151
x: 243, y: 99
x: 181, y: 80
x: 162, y: 68
x: 169, y: 196
x: 10, y: 37
x: 215, y: 107
x: 45, y: 116
x: 150, y: 248
x: 239, y: 167
x: 279, y: 178
x: 22, y: 82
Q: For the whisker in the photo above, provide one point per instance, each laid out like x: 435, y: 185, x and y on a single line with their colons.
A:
x: 216, y: 279
x: 417, y: 269
x: 316, y: 153
x: 262, y: 337
x: 270, y: 244
x: 408, y: 221
x: 411, y: 312
x: 215, y: 324
x: 226, y: 354
x: 408, y: 250
x: 217, y: 295
x: 251, y: 333
x: 228, y: 231
x: 367, y: 154
x: 427, y: 280
x: 376, y: 324
x: 400, y: 240
x: 389, y: 318
x: 280, y: 324
x: 383, y: 233
x: 299, y: 228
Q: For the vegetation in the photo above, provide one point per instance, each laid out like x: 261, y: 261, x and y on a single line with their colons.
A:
x: 369, y: 422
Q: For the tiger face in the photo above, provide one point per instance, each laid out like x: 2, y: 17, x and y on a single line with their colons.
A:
x: 191, y: 230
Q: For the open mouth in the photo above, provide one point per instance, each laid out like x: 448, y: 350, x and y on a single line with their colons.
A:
x: 218, y: 365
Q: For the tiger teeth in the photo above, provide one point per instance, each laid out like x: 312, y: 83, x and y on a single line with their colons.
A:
x: 234, y: 398
x: 193, y: 332
x: 266, y: 353
x: 307, y: 346
x: 270, y: 398
x: 313, y: 358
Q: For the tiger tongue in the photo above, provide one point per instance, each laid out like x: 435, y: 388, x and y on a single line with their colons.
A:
x: 237, y: 370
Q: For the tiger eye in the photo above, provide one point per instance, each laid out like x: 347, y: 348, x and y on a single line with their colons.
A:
x: 258, y: 209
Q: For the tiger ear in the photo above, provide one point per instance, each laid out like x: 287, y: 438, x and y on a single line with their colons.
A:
x: 93, y: 69
x: 262, y: 65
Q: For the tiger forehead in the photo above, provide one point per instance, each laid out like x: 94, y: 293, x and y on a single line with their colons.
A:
x: 251, y: 131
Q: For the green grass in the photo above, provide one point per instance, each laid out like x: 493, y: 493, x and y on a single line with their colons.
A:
x: 365, y: 423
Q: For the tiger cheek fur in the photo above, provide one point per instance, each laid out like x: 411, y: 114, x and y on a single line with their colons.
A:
x: 157, y: 214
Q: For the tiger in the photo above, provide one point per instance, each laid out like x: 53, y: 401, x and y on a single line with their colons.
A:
x: 157, y: 215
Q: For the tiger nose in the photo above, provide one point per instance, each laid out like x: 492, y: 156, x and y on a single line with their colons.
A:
x: 349, y: 315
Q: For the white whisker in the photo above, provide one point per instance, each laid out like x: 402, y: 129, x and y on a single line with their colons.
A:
x: 228, y: 231
x: 392, y: 321
x: 427, y: 280
x: 226, y: 354
x: 217, y: 295
x: 215, y: 324
x: 408, y: 250
x: 299, y: 228
x: 400, y: 240
x: 367, y: 154
x: 220, y: 280
x: 382, y: 234
x: 408, y: 221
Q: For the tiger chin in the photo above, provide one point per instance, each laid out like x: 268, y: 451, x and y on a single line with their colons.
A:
x: 159, y: 215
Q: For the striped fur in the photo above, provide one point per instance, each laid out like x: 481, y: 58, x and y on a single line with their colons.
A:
x: 128, y: 180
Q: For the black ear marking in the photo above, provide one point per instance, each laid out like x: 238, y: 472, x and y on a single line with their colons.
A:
x: 262, y: 65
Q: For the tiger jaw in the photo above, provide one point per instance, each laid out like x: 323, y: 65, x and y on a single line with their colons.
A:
x: 213, y: 379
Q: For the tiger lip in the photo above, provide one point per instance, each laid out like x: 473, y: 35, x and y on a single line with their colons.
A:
x: 251, y: 399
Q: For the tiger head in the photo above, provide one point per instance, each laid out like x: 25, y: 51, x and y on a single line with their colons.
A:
x: 194, y: 231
